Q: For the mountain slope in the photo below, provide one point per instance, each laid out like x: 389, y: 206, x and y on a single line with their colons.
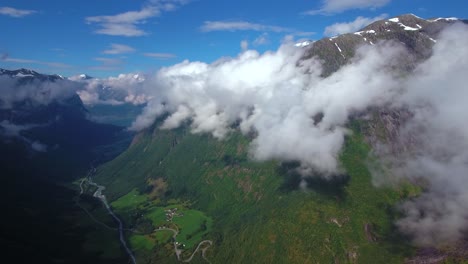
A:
x: 257, y: 210
x: 46, y: 141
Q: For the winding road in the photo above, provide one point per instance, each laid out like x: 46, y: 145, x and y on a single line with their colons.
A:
x: 203, y: 250
x: 179, y: 251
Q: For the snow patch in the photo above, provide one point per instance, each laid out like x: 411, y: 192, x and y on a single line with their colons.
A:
x: 395, y: 19
x: 407, y: 28
x: 367, y: 31
x: 340, y: 51
x: 19, y: 74
x: 337, y: 47
x: 445, y: 18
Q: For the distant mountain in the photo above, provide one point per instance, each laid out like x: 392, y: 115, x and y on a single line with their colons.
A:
x: 30, y: 74
x: 45, y: 109
x: 46, y: 141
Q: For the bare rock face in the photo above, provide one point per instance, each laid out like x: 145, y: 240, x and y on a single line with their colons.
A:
x: 384, y: 126
x: 369, y: 231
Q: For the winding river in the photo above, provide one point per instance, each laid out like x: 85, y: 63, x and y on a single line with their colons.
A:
x: 98, y: 194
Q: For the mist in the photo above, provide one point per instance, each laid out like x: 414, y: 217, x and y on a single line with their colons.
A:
x: 14, y: 90
x: 436, y: 95
x: 125, y: 88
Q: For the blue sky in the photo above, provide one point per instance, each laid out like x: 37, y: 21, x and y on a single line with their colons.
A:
x: 105, y: 38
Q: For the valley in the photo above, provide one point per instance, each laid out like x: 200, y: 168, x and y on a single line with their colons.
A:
x: 346, y: 147
x: 219, y: 181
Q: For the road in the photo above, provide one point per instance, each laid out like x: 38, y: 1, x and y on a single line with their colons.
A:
x: 179, y: 251
x: 203, y: 250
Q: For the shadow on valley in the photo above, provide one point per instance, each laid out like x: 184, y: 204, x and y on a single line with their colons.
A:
x: 333, y: 187
x: 41, y: 221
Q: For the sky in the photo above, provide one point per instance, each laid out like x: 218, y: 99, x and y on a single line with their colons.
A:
x: 104, y: 38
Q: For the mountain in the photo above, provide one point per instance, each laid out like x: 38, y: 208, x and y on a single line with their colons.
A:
x: 30, y: 74
x: 46, y: 141
x: 418, y: 36
x: 46, y: 109
x: 220, y: 206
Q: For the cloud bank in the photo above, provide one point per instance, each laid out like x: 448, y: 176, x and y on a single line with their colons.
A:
x: 125, y: 88
x: 437, y: 94
x: 338, y: 6
x: 209, y: 26
x: 353, y: 26
x: 128, y: 24
x: 273, y: 96
x: 13, y: 90
x: 13, y: 12
x: 118, y: 49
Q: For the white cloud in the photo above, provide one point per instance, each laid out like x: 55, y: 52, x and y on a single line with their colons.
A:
x: 157, y: 55
x: 124, y: 24
x: 209, y: 26
x: 107, y: 64
x: 109, y: 61
x: 13, y: 12
x: 261, y: 40
x: 304, y: 33
x: 338, y: 6
x: 38, y: 146
x: 125, y: 88
x: 11, y: 130
x: 128, y: 24
x: 29, y: 61
x: 118, y: 49
x: 355, y: 25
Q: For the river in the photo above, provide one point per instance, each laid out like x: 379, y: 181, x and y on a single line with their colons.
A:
x: 98, y: 194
